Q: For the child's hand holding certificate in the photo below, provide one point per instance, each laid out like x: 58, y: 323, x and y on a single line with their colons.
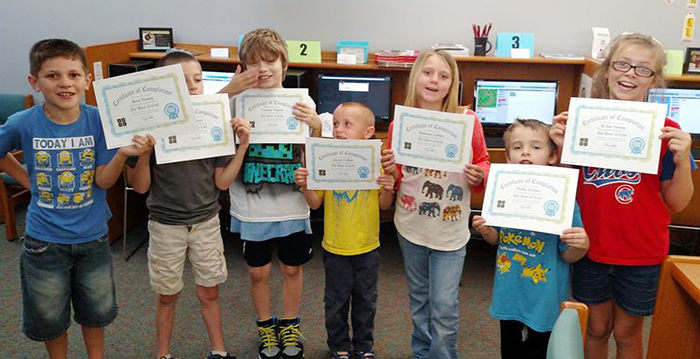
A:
x: 537, y: 198
x: 343, y: 164
x: 213, y: 137
x: 622, y: 135
x: 144, y: 102
x: 432, y: 139
x: 270, y: 114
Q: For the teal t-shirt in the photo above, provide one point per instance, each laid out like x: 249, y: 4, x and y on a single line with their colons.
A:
x: 531, y: 278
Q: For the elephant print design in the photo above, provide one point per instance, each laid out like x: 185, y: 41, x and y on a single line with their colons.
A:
x: 408, y: 203
x: 431, y: 209
x: 455, y: 193
x: 413, y: 170
x: 435, y: 173
x: 432, y: 190
x: 452, y: 213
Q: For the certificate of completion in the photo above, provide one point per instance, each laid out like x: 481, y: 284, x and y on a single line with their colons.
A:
x: 343, y: 164
x: 432, y: 139
x: 621, y: 135
x: 143, y: 102
x: 529, y: 197
x: 213, y: 138
x: 270, y: 114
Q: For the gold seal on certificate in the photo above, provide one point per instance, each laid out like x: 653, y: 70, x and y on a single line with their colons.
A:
x: 432, y: 139
x: 530, y: 197
x: 270, y: 114
x: 343, y: 164
x: 143, y: 102
x: 213, y: 137
x: 622, y: 135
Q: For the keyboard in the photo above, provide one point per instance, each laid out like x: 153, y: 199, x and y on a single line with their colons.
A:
x: 494, y: 141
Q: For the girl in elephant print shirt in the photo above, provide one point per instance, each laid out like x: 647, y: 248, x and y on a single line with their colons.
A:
x: 432, y: 215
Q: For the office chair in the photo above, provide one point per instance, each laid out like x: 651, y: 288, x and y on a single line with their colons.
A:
x: 11, y: 192
x: 569, y: 333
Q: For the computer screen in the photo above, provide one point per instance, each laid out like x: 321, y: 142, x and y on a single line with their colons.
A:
x: 373, y: 91
x: 214, y: 81
x: 500, y: 102
x: 683, y: 106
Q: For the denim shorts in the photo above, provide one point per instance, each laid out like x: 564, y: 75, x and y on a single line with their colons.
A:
x: 55, y: 275
x: 632, y: 287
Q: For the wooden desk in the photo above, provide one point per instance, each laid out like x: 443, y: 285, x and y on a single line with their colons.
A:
x: 675, y: 328
x: 690, y: 216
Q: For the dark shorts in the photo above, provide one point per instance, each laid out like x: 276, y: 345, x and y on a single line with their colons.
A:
x: 292, y: 250
x: 55, y: 275
x: 632, y: 287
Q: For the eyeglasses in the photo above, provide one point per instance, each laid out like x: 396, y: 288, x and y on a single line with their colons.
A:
x: 624, y: 66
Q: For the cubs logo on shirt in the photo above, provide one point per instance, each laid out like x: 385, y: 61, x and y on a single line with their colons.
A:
x: 624, y: 194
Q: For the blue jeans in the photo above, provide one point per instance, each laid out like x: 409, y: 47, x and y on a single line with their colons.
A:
x: 433, y: 284
x: 54, y: 275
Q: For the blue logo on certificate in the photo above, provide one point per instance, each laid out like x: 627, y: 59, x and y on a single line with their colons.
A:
x: 551, y: 208
x: 217, y: 133
x: 292, y: 123
x: 172, y: 110
x: 451, y: 151
x: 637, y: 144
x: 363, y: 171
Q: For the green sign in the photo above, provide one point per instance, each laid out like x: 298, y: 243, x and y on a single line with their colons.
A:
x: 304, y: 51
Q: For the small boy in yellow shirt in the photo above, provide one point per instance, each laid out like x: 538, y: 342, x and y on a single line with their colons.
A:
x: 351, y: 242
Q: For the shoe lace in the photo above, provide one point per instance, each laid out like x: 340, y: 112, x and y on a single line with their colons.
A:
x: 290, y: 335
x: 268, y: 336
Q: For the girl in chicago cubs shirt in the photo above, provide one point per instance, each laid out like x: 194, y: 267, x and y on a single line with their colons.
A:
x: 626, y: 214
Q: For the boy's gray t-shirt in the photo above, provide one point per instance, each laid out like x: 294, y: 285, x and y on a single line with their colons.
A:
x: 183, y: 193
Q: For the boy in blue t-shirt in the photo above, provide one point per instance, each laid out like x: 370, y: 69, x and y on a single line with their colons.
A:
x: 530, y: 281
x: 66, y: 257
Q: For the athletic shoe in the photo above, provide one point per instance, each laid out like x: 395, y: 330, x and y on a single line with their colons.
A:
x: 364, y: 355
x: 217, y: 356
x: 269, y: 344
x: 340, y: 355
x: 292, y: 348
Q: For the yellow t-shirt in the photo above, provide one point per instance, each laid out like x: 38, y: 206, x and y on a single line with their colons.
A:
x: 350, y: 221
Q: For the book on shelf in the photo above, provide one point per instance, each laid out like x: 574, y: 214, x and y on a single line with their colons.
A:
x: 561, y: 56
x: 456, y: 50
x: 395, y: 58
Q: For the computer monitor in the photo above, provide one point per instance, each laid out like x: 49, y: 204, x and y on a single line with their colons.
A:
x: 498, y: 103
x: 373, y: 91
x: 683, y: 106
x: 214, y: 81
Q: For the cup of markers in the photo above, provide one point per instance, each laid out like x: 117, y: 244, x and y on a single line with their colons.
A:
x: 482, y: 45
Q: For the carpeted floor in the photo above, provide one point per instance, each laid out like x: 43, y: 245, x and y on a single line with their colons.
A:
x: 132, y: 335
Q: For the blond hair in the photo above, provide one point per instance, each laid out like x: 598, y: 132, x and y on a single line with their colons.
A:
x: 366, y: 113
x: 600, y: 88
x: 263, y: 44
x: 534, y: 125
x: 450, y: 102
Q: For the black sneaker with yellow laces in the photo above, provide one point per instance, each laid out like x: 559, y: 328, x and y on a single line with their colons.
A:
x: 292, y: 348
x: 269, y: 347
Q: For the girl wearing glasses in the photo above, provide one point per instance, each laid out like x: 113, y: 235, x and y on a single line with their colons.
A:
x: 626, y: 214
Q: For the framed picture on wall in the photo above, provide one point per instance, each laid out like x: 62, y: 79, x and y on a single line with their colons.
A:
x: 155, y: 38
x: 692, y: 61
